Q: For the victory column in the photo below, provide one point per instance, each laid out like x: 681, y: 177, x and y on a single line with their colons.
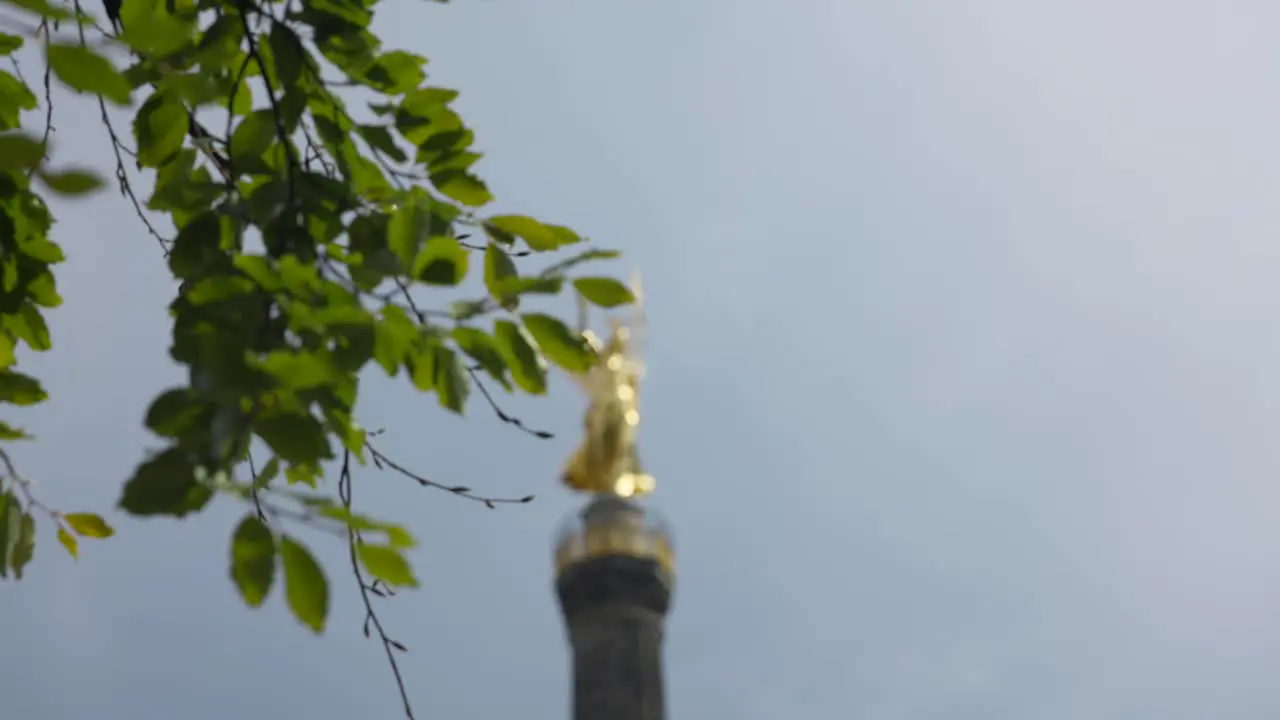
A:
x: 614, y: 562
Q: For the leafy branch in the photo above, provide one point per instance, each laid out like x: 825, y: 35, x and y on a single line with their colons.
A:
x: 354, y: 543
x: 378, y: 569
x: 301, y: 234
x: 17, y: 522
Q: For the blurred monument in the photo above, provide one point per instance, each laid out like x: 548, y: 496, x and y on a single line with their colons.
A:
x: 614, y: 563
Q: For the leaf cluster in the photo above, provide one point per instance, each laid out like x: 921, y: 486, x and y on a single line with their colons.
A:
x: 305, y: 232
x: 28, y: 289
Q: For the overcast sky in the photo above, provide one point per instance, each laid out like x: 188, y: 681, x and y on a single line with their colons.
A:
x: 964, y: 379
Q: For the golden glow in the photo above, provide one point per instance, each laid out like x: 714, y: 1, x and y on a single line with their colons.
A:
x: 607, y: 461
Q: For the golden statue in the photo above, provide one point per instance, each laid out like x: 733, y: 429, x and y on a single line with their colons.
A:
x: 607, y: 462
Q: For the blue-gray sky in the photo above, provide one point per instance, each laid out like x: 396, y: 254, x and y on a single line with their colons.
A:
x: 963, y: 387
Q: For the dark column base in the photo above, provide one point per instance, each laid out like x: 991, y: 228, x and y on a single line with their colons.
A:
x: 614, y: 610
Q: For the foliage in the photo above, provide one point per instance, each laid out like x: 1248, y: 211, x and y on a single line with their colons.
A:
x: 300, y: 232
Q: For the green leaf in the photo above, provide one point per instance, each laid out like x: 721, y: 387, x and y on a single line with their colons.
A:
x: 24, y: 548
x: 37, y: 337
x: 463, y: 310
x: 10, y: 526
x: 422, y: 370
x: 386, y: 564
x: 220, y: 44
x: 20, y: 389
x: 449, y: 159
x: 19, y: 151
x: 561, y: 345
x: 407, y: 228
x: 296, y: 438
x: 462, y: 186
x: 42, y: 249
x: 379, y: 138
x: 219, y: 288
x: 299, y: 370
x: 160, y: 126
x: 397, y: 536
x: 442, y: 261
x: 253, y: 560
x: 499, y: 271
x: 165, y: 485
x: 43, y: 290
x: 393, y: 338
x: 69, y: 542
x: 426, y: 100
x: 357, y: 14
x: 527, y: 367
x: 9, y: 432
x: 287, y: 51
x: 41, y: 7
x: 9, y: 43
x: 305, y: 473
x: 10, y: 272
x: 153, y: 28
x: 15, y: 97
x: 267, y: 473
x: 260, y: 270
x: 481, y: 348
x: 253, y: 136
x: 296, y: 276
x: 538, y: 284
x: 352, y: 330
x: 89, y: 525
x: 604, y: 292
x: 425, y: 113
x: 451, y: 381
x: 498, y: 235
x: 241, y: 101
x: 72, y: 182
x: 305, y: 587
x: 174, y: 412
x: 84, y: 70
x: 539, y: 236
x: 396, y: 72
x: 28, y: 325
x: 266, y: 200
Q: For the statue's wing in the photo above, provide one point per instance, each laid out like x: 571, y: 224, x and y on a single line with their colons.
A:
x: 635, y: 344
x: 582, y: 314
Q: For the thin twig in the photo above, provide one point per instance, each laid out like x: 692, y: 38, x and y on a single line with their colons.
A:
x: 257, y: 497
x: 276, y: 113
x: 122, y: 175
x: 389, y: 645
x: 502, y: 415
x: 24, y: 486
x: 48, y: 90
x: 381, y: 460
x: 231, y: 101
x: 493, y: 404
x: 41, y: 31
